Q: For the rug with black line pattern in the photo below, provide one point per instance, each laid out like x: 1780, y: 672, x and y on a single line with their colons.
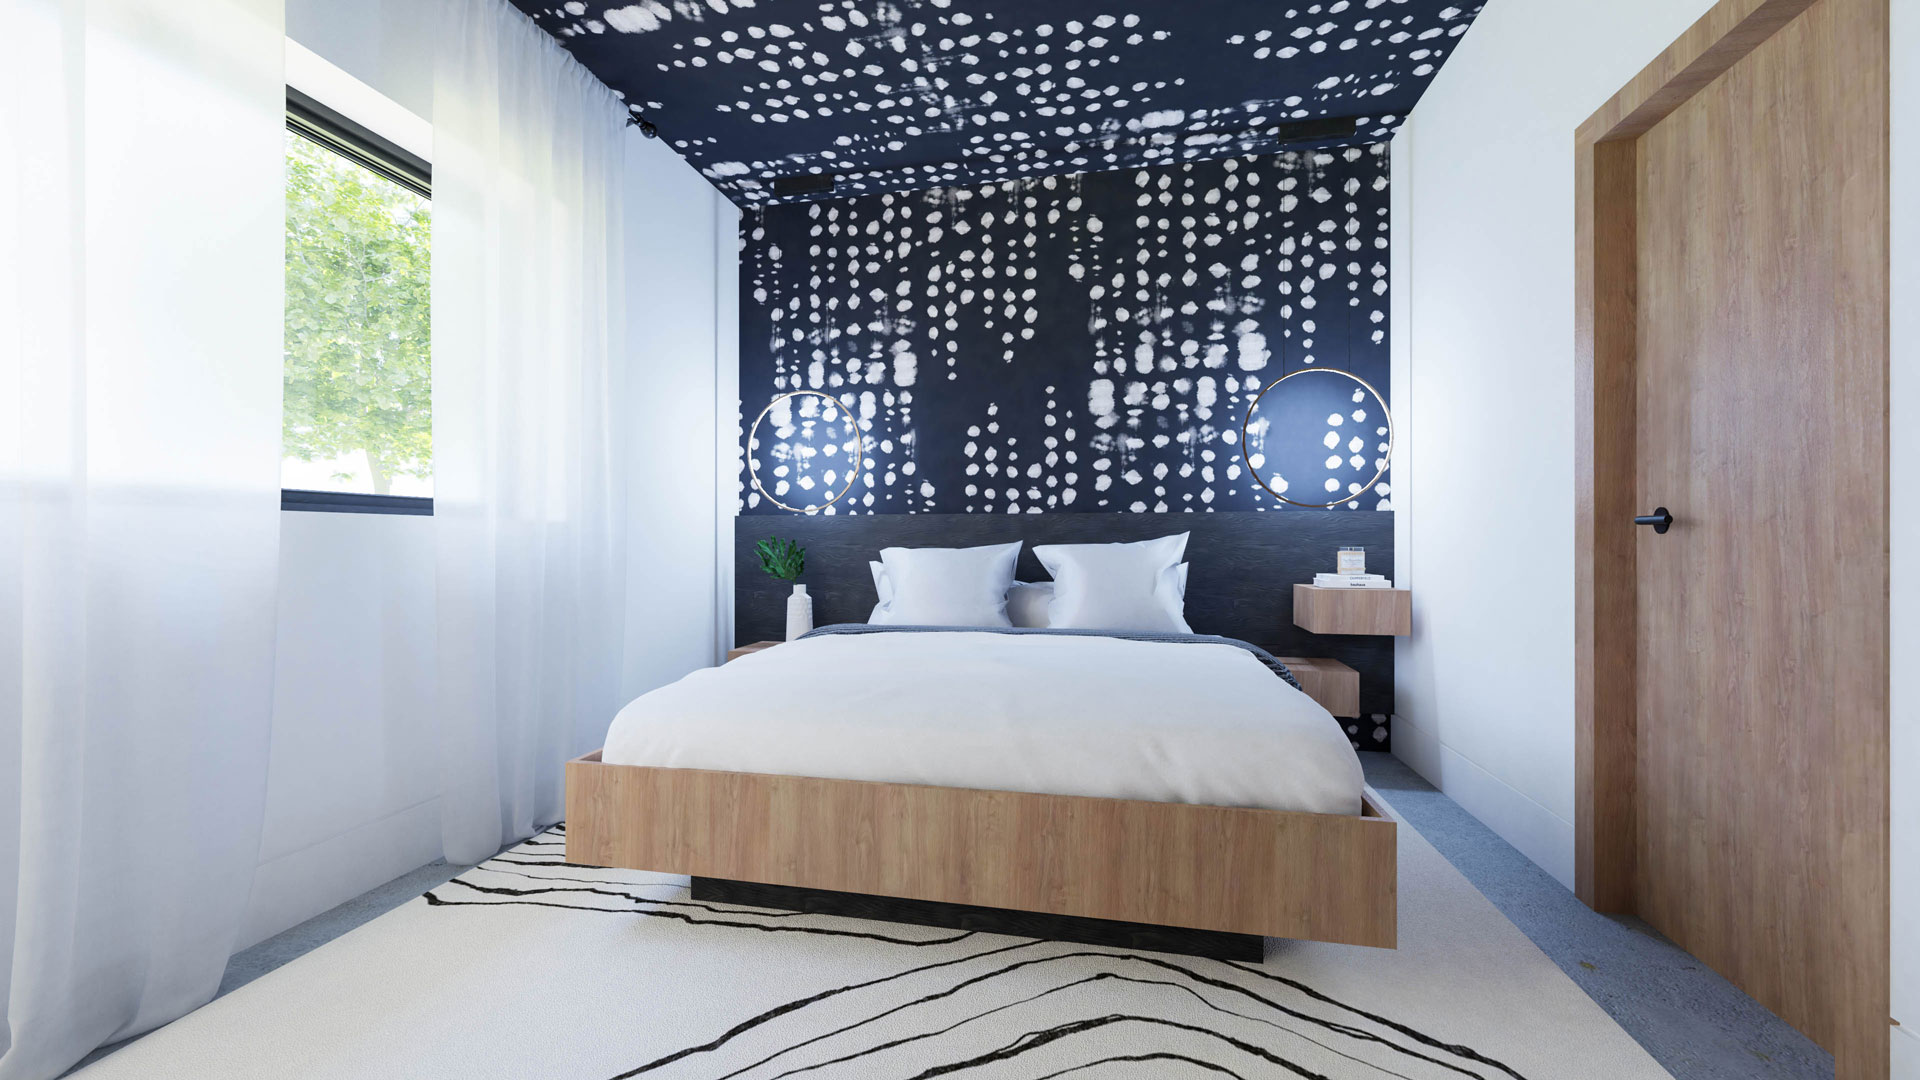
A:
x: 527, y: 967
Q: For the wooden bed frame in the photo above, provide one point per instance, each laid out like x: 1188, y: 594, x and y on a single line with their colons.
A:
x: 1316, y: 877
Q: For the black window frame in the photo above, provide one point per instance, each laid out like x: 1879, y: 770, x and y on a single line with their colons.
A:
x: 355, y: 142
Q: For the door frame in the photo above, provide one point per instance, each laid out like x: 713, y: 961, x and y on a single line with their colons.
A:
x: 1606, y: 171
x: 1605, y: 450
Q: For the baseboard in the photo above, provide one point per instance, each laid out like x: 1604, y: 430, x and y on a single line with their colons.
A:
x: 295, y: 887
x: 1905, y: 1052
x: 1417, y: 747
x: 1538, y: 833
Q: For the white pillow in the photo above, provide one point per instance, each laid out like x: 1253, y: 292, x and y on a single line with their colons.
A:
x: 883, y: 587
x: 1117, y: 586
x: 1027, y: 603
x: 949, y: 586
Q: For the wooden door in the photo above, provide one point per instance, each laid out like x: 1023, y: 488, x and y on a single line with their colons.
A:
x: 1735, y: 310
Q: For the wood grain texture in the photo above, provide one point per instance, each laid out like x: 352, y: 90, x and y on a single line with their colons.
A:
x: 1240, y: 585
x: 1353, y: 611
x: 1715, y: 42
x: 1321, y: 877
x: 1604, y: 499
x: 1750, y: 164
x: 749, y: 650
x: 1331, y: 683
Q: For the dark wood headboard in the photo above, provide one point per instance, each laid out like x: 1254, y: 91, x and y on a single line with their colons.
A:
x: 1244, y: 566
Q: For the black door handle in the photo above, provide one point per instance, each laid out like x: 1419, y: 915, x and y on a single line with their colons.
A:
x: 1659, y: 519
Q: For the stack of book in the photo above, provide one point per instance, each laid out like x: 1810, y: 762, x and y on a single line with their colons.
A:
x: 1351, y: 581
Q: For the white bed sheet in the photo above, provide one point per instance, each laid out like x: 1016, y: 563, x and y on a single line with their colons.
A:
x: 1106, y: 717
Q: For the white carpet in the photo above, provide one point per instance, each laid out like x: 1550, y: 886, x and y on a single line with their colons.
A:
x: 523, y: 968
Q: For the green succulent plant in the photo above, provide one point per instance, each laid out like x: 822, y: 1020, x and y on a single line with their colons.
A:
x: 784, y: 559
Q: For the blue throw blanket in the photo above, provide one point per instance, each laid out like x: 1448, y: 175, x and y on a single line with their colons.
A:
x: 1273, y: 664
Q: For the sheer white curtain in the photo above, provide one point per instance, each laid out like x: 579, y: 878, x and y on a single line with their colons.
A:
x: 141, y: 232
x: 529, y: 506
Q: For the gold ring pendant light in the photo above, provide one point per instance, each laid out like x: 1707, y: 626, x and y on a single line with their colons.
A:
x: 1246, y: 452
x: 853, y: 474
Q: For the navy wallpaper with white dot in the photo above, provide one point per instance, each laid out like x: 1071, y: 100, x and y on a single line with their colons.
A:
x: 1075, y: 343
x: 1048, y: 252
x: 888, y: 95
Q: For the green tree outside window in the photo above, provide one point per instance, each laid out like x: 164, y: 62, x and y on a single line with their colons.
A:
x: 357, y: 375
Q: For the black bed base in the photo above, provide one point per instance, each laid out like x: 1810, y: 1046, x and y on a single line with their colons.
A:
x: 1212, y: 944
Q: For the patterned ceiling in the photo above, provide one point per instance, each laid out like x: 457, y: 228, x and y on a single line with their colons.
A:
x: 902, y: 94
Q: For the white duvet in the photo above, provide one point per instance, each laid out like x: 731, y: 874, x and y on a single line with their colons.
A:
x: 1166, y: 722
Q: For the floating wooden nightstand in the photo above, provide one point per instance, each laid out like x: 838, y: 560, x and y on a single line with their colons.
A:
x: 735, y: 654
x: 1331, y: 683
x: 1353, y: 611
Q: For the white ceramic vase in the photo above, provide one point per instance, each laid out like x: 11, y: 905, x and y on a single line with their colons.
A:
x: 799, y: 612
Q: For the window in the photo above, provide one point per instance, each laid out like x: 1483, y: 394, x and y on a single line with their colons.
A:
x: 357, y: 432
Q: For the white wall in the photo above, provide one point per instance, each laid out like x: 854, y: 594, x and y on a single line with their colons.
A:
x: 726, y: 406
x: 1484, y: 686
x: 353, y: 785
x: 1904, y: 410
x: 387, y: 44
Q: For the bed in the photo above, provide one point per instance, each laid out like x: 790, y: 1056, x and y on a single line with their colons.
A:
x: 1156, y: 790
